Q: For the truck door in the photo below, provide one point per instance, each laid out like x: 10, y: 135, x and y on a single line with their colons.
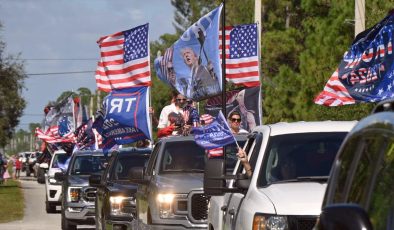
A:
x: 234, y: 203
x: 143, y: 189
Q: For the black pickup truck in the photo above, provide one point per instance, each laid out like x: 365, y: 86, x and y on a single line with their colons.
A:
x: 115, y: 197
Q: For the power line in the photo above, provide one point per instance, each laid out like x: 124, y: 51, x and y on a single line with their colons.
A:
x: 58, y: 59
x: 56, y: 73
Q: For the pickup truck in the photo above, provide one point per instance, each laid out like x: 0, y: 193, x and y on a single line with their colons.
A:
x: 170, y: 189
x: 115, y: 197
x: 78, y: 198
x: 291, y: 163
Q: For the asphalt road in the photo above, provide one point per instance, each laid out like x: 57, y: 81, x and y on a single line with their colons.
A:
x: 35, y: 217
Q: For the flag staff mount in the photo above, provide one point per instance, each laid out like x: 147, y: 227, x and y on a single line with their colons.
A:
x: 224, y: 59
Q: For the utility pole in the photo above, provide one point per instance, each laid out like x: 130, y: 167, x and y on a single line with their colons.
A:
x: 359, y: 16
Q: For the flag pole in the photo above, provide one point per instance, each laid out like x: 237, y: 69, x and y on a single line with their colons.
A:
x: 224, y: 68
x: 224, y: 59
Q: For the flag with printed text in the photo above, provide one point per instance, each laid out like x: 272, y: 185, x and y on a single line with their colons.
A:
x: 366, y: 72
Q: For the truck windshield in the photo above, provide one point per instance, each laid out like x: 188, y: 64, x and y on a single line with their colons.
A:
x: 125, y: 163
x: 185, y: 156
x: 88, y: 164
x: 300, y: 157
x: 59, y: 160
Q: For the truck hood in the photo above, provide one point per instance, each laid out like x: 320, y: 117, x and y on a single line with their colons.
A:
x: 180, y: 183
x: 122, y: 188
x: 52, y: 171
x: 80, y: 180
x: 301, y: 198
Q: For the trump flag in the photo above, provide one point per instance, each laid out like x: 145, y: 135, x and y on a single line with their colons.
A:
x: 215, y: 135
x: 125, y: 117
x: 366, y: 72
x: 192, y: 64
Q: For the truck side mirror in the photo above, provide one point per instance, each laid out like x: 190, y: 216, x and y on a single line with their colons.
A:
x: 136, y: 175
x: 95, y: 180
x: 243, y: 183
x: 214, y: 182
x: 59, y: 176
x: 44, y: 165
x: 332, y: 217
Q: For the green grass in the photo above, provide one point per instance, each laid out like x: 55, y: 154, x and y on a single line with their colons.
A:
x: 11, y: 201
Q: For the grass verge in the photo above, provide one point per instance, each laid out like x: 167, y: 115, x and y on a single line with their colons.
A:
x: 11, y: 201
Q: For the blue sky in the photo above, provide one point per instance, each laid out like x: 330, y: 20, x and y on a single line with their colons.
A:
x: 69, y: 29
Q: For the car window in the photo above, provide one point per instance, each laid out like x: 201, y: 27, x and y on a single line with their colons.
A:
x: 299, y: 156
x: 381, y: 204
x: 59, y: 160
x: 86, y: 165
x: 152, y: 161
x: 125, y: 163
x: 231, y: 155
x: 185, y: 156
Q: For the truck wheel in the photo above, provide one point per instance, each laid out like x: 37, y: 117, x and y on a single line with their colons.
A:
x: 66, y: 225
x: 41, y: 176
x: 27, y: 171
x: 50, y: 208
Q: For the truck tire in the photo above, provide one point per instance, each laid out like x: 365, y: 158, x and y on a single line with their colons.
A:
x: 66, y: 225
x: 28, y: 171
x: 40, y: 176
x: 50, y: 208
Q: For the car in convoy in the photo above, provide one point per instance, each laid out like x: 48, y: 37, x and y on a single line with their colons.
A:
x: 78, y: 197
x: 291, y: 163
x: 359, y: 194
x: 170, y: 189
x: 115, y: 196
x: 53, y: 188
x: 28, y: 162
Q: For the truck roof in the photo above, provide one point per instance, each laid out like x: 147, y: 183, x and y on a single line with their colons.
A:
x: 306, y: 126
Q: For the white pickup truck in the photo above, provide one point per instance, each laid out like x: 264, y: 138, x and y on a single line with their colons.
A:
x: 291, y: 163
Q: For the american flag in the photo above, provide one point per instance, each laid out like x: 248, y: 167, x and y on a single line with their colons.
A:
x: 52, y: 135
x: 166, y: 65
x: 242, y: 64
x: 217, y: 152
x: 124, y: 60
x: 334, y: 93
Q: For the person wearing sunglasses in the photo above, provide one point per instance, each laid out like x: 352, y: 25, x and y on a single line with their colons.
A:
x: 235, y: 123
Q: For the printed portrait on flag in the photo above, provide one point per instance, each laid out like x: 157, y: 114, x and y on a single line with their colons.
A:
x: 126, y: 118
x: 245, y: 101
x: 194, y: 59
x: 366, y: 72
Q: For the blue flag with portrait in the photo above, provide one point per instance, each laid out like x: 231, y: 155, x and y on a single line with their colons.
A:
x: 192, y: 64
x: 125, y: 118
x: 216, y: 134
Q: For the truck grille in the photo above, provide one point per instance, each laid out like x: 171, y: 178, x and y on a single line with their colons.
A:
x: 128, y: 206
x: 302, y: 222
x: 89, y: 194
x: 199, y: 207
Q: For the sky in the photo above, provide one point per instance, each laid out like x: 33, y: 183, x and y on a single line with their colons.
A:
x: 69, y: 29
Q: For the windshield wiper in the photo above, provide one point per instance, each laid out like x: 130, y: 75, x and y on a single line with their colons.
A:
x: 185, y: 170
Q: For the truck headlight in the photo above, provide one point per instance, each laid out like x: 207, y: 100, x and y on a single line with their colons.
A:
x: 53, y: 181
x: 121, y: 205
x: 269, y: 222
x: 165, y: 204
x: 74, y: 194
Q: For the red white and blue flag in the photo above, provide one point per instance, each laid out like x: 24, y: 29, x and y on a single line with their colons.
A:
x: 124, y: 60
x: 366, y: 72
x: 242, y: 64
